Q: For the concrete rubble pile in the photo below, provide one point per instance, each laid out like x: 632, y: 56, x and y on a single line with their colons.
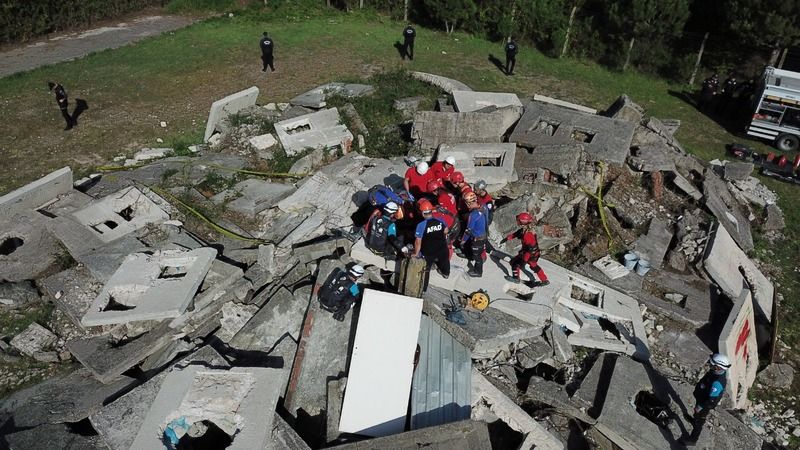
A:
x: 181, y: 337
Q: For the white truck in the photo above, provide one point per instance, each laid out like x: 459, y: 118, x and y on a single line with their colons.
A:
x: 776, y: 113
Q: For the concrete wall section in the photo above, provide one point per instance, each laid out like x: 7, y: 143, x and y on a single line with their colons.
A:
x: 231, y: 104
x: 493, y: 163
x: 41, y: 191
x: 738, y: 341
x: 466, y: 101
x: 118, y: 214
x: 382, y: 365
x: 322, y: 129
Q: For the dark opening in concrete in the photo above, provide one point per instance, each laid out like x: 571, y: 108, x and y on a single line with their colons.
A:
x: 127, y: 213
x: 583, y: 136
x: 115, y: 305
x: 488, y: 161
x: 10, y: 245
x: 581, y: 294
x: 205, y: 435
x: 652, y: 408
x: 171, y: 272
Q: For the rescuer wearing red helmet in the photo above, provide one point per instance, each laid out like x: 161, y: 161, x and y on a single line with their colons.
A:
x: 444, y: 198
x: 529, y: 253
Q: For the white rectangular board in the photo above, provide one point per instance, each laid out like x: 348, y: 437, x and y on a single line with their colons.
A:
x: 382, y: 365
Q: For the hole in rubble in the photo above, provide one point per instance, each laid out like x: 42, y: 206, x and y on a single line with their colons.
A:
x: 46, y: 213
x: 10, y: 245
x: 503, y: 436
x: 125, y: 341
x: 126, y: 213
x: 582, y: 136
x: 584, y: 295
x: 489, y: 161
x: 100, y: 228
x: 298, y: 129
x: 652, y: 408
x: 172, y: 272
x: 545, y: 127
x: 541, y: 370
x: 204, y: 435
x: 609, y: 326
x: 82, y: 427
x: 115, y: 305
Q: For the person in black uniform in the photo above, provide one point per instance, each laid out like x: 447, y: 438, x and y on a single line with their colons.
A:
x: 267, y: 46
x: 729, y: 87
x: 707, y: 394
x: 431, y: 242
x: 408, y: 42
x: 63, y: 103
x: 340, y: 291
x: 708, y: 92
x: 511, y: 56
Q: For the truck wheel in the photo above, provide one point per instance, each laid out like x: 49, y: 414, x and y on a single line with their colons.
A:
x: 787, y: 142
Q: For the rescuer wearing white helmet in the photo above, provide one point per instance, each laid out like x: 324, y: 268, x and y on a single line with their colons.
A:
x: 340, y: 291
x: 707, y: 394
x: 443, y: 170
x: 416, y: 179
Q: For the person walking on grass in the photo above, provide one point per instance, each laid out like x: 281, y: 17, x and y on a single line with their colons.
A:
x: 409, y: 34
x: 511, y: 56
x: 267, y: 47
x: 63, y: 103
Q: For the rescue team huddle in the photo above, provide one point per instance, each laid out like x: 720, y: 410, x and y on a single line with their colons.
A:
x: 436, y: 214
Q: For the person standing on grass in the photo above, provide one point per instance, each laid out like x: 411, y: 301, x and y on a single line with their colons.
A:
x: 511, y: 56
x: 267, y: 46
x: 63, y: 103
x: 409, y: 34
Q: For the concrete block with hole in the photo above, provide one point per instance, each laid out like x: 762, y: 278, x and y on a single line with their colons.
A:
x: 150, y: 287
x: 27, y: 249
x: 321, y: 129
x: 37, y: 193
x: 231, y: 104
x: 493, y: 163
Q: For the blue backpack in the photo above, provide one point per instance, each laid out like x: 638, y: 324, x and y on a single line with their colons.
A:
x: 380, y: 195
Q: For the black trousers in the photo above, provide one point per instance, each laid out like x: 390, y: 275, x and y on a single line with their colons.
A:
x: 70, y: 121
x: 442, y: 261
x: 268, y: 60
x: 698, y: 423
x: 408, y: 48
x: 477, y: 253
x: 511, y: 62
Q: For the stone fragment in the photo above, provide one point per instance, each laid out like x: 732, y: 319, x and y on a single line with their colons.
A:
x: 625, y: 109
x: 18, y: 294
x: 37, y: 193
x: 263, y: 141
x: 316, y: 98
x: 27, y: 249
x: 532, y: 352
x: 55, y: 436
x: 251, y: 196
x: 777, y: 376
x: 33, y: 339
x: 446, y: 84
x: 234, y: 317
x: 224, y: 107
x: 774, y: 218
x: 466, y: 434
x: 466, y: 101
x: 147, y: 154
x: 738, y: 170
x: 319, y: 129
x: 721, y: 203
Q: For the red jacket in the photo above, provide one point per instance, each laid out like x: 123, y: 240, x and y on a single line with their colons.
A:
x: 447, y: 201
x: 530, y: 243
x: 418, y: 184
x: 440, y: 172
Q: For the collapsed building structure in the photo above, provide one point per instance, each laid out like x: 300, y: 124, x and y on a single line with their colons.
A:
x: 224, y: 343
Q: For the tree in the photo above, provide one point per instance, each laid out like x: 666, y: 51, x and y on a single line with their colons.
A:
x: 451, y: 13
x: 544, y: 22
x: 775, y: 24
x: 654, y: 21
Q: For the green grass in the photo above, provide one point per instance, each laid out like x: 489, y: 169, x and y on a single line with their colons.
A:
x: 176, y: 76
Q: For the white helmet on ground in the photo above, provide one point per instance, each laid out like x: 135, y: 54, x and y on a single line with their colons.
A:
x: 390, y: 207
x: 450, y: 160
x: 720, y: 360
x: 422, y: 168
x: 356, y: 271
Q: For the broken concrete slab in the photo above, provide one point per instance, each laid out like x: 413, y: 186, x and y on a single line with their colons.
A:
x: 605, y: 139
x: 493, y: 163
x: 376, y: 398
x: 752, y: 191
x: 433, y: 128
x: 251, y: 196
x: 107, y: 359
x: 730, y: 268
x: 466, y: 434
x: 27, y: 249
x: 654, y: 245
x: 485, y: 334
x: 326, y: 248
x: 611, y: 267
x: 282, y: 314
x: 283, y: 437
x: 466, y: 101
x: 73, y: 291
x: 151, y: 287
x: 20, y: 294
x: 309, y: 163
x: 315, y: 98
x: 738, y: 341
x: 722, y: 204
x: 61, y: 399
x: 562, y: 103
x: 652, y: 158
x: 147, y: 154
x: 240, y: 401
x: 53, y: 437
x: 561, y: 159
x: 738, y: 170
x: 234, y: 317
x: 625, y: 109
x: 555, y: 395
x: 515, y: 417
x: 446, y: 84
x: 774, y: 219
x: 561, y: 347
x: 33, y: 339
x: 441, y: 388
x: 35, y: 194
x: 533, y: 351
x: 776, y: 376
x: 116, y: 421
x: 263, y: 141
x: 224, y: 107
x: 686, y: 186
x: 321, y: 129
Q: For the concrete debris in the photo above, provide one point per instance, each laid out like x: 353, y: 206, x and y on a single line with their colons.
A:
x: 564, y: 104
x: 774, y: 219
x: 15, y: 295
x: 738, y: 341
x: 625, y: 109
x: 33, y: 339
x: 408, y: 105
x: 251, y: 196
x: 35, y: 194
x: 147, y: 154
x: 316, y: 97
x: 432, y: 128
x: 448, y: 85
x: 738, y: 170
x: 355, y: 119
x: 464, y: 434
x: 750, y: 190
x: 321, y: 129
x: 611, y: 268
x: 720, y: 202
x: 27, y: 248
x: 605, y: 139
x: 493, y: 163
x: 653, y: 246
x: 263, y: 141
x: 234, y: 317
x: 466, y: 101
x: 776, y: 376
x: 224, y: 107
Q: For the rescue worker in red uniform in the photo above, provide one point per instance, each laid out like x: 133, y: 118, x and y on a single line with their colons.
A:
x: 457, y: 181
x: 529, y: 253
x: 443, y: 170
x: 416, y: 179
x: 444, y: 198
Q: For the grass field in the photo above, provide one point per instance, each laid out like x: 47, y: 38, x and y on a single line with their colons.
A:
x: 175, y: 78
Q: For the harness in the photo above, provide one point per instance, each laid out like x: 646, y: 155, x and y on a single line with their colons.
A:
x: 336, y: 289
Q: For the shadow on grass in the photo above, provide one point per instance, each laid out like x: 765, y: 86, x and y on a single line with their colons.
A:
x: 731, y: 116
x: 497, y: 63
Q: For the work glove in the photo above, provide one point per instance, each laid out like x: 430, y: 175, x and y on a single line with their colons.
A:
x: 339, y: 315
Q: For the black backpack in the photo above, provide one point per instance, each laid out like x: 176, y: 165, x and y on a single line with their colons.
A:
x: 336, y: 289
